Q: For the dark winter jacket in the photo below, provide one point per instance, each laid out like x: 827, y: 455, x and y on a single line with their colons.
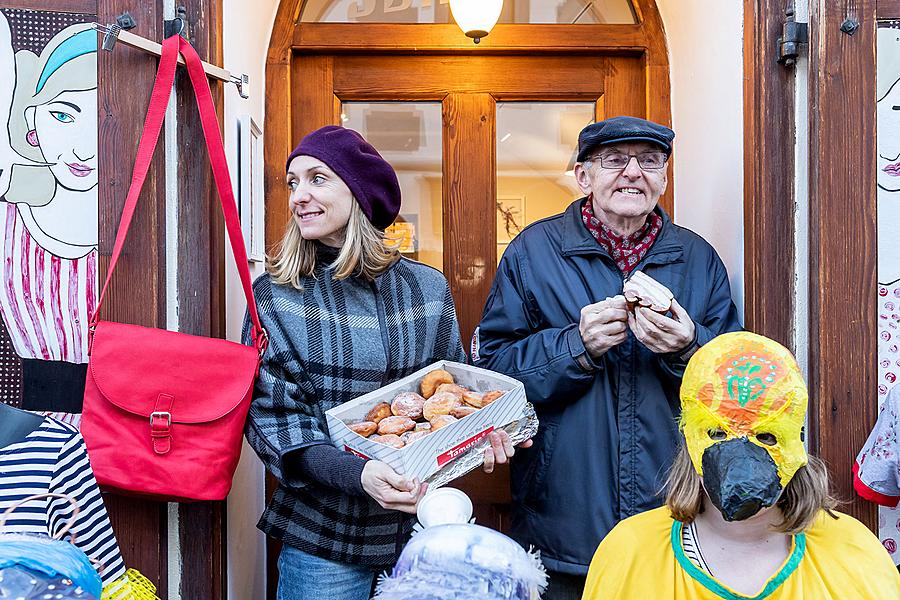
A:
x: 608, y: 427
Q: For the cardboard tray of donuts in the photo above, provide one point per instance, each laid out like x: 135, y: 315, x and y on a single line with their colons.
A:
x: 422, y: 422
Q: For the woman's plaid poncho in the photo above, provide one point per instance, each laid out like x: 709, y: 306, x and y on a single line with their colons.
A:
x: 328, y: 344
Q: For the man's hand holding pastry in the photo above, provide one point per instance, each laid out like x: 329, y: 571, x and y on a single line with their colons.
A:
x: 650, y: 305
x: 603, y: 325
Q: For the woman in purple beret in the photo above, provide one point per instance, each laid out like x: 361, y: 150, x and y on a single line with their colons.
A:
x: 345, y: 314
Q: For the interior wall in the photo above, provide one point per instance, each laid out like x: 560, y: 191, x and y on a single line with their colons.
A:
x: 705, y: 42
x: 246, y: 28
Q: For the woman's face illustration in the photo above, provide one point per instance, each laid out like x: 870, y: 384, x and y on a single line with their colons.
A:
x: 66, y: 129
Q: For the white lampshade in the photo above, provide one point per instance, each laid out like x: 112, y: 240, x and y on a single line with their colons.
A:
x: 476, y: 17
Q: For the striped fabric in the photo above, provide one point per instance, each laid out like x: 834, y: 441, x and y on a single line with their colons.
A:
x: 53, y: 459
x: 45, y: 300
x: 328, y: 344
x: 692, y: 547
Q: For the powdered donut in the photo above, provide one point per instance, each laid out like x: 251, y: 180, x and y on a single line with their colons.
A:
x: 408, y: 404
x: 441, y: 403
x: 410, y: 436
x: 426, y: 426
x: 395, y: 425
x: 453, y: 388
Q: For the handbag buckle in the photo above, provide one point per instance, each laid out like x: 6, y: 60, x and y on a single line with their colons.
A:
x: 160, y: 414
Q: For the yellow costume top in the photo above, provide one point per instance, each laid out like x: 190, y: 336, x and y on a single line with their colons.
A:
x: 642, y: 558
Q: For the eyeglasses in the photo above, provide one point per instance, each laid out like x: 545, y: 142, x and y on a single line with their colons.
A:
x: 648, y: 161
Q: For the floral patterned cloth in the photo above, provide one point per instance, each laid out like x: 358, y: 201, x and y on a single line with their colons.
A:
x: 627, y: 251
x: 888, y: 369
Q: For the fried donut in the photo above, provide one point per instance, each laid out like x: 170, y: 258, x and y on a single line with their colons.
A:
x: 442, y: 421
x: 463, y: 411
x: 410, y: 436
x: 453, y: 388
x: 432, y: 379
x: 389, y: 439
x: 363, y: 428
x: 426, y: 426
x: 378, y: 412
x: 481, y: 399
x: 408, y: 404
x: 441, y: 403
x: 395, y: 425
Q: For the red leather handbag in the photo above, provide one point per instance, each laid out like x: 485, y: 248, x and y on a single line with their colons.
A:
x: 164, y: 412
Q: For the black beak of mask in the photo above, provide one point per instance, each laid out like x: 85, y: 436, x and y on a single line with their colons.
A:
x: 740, y: 477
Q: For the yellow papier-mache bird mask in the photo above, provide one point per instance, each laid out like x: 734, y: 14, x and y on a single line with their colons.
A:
x: 744, y: 385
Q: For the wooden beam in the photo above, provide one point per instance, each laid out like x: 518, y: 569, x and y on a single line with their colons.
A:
x: 888, y: 9
x: 843, y: 315
x: 369, y: 38
x: 469, y: 252
x: 769, y: 127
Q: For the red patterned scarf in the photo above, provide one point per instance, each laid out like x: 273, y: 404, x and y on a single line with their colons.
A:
x: 627, y: 251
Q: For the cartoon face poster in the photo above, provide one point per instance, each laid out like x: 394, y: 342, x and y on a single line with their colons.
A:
x: 48, y: 194
x: 888, y: 180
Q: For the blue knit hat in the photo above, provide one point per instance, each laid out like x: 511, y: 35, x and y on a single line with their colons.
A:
x: 370, y: 178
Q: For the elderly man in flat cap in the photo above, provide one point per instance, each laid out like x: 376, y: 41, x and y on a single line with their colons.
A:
x: 602, y: 373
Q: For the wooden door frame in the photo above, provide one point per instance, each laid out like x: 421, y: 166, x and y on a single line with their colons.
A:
x: 842, y: 218
x: 289, y: 35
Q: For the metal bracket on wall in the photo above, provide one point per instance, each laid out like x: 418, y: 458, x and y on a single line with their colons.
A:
x: 792, y: 35
x: 115, y: 33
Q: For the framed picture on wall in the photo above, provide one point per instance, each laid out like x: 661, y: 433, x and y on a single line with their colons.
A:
x: 250, y: 185
x: 510, y: 217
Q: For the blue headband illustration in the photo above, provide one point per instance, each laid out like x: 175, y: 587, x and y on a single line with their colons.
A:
x: 83, y: 42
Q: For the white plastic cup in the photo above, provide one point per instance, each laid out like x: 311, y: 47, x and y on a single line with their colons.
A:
x: 444, y: 506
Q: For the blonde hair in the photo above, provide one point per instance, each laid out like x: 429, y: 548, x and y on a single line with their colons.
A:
x: 804, y: 497
x: 366, y: 252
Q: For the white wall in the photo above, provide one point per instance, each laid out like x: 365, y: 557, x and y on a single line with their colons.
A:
x: 245, y: 35
x: 706, y: 63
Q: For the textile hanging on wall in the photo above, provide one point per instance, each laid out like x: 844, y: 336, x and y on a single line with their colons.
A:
x: 48, y: 199
x: 888, y: 180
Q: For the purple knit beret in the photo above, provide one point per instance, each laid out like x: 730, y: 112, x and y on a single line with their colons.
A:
x: 370, y: 178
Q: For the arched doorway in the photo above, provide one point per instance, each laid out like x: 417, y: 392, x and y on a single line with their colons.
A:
x: 443, y: 111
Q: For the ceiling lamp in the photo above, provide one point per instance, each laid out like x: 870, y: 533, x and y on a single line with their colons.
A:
x: 476, y: 17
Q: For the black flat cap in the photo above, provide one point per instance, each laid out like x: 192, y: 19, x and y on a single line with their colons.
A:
x: 623, y: 129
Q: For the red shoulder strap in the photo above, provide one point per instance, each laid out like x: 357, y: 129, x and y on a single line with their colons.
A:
x: 159, y: 99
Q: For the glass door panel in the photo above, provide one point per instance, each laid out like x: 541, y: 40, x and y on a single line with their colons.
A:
x: 408, y: 135
x: 536, y: 150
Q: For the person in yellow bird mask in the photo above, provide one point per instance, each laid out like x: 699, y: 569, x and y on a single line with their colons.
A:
x: 748, y: 514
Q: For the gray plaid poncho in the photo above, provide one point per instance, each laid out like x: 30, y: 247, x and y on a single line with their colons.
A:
x: 328, y: 344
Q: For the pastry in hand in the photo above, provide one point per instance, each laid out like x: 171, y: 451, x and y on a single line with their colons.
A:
x: 390, y: 439
x: 428, y: 385
x: 408, y: 404
x: 441, y: 403
x: 395, y: 425
x: 481, y: 399
x: 642, y: 290
x: 378, y: 412
x: 363, y: 428
x: 442, y: 421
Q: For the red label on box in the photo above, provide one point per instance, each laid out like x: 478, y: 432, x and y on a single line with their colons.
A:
x: 352, y: 451
x: 456, y: 451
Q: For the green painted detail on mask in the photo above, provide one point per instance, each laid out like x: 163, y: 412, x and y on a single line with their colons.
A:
x: 742, y: 386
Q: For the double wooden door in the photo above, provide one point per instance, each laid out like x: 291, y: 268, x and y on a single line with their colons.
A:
x: 466, y: 90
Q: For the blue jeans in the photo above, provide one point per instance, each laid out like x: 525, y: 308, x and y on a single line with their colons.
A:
x: 302, y: 576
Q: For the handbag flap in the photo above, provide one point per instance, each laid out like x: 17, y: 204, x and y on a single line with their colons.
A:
x: 206, y: 377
